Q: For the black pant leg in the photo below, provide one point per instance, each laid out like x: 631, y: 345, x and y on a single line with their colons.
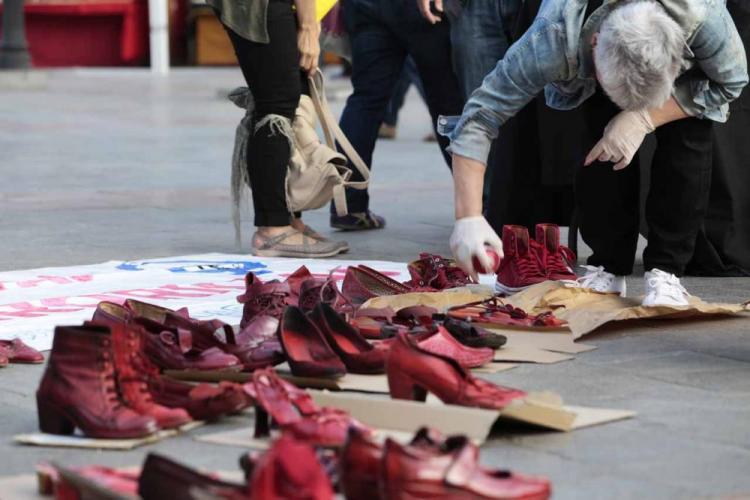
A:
x: 273, y: 75
x: 678, y: 197
x: 607, y: 200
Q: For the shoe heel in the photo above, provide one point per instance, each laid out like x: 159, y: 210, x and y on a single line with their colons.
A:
x: 402, y: 386
x: 262, y: 423
x: 52, y: 421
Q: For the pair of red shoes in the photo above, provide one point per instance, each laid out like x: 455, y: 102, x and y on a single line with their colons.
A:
x: 495, y: 312
x: 293, y: 411
x: 323, y: 344
x: 528, y: 262
x: 430, y: 466
x: 15, y: 351
x: 99, y: 381
x: 414, y: 370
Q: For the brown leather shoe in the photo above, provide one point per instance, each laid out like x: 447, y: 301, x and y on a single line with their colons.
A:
x: 165, y: 479
x: 79, y: 388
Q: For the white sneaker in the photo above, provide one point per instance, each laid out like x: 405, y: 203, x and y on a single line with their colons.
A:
x: 664, y: 289
x: 599, y: 280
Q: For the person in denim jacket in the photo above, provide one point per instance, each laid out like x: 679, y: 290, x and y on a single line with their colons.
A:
x: 670, y: 66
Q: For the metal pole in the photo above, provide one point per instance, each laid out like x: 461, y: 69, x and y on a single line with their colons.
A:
x: 159, y: 38
x: 14, y: 51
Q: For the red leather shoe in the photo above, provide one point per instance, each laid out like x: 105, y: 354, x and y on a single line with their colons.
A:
x: 451, y: 473
x: 204, y: 401
x: 79, y: 389
x: 94, y: 482
x: 558, y: 259
x: 362, y: 283
x: 165, y: 479
x: 18, y: 352
x: 133, y: 373
x: 290, y: 470
x: 471, y: 335
x: 436, y: 272
x: 442, y: 343
x: 316, y: 291
x: 294, y: 411
x: 263, y: 299
x: 307, y: 351
x: 360, y: 467
x: 358, y: 355
x: 168, y: 348
x: 522, y: 265
x: 4, y: 355
x: 413, y: 371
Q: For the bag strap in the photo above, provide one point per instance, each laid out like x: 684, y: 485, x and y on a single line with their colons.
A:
x: 332, y: 131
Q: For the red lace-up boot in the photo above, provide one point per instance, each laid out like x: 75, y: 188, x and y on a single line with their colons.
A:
x: 558, y: 259
x: 263, y: 299
x: 132, y: 378
x: 79, y: 388
x: 521, y: 266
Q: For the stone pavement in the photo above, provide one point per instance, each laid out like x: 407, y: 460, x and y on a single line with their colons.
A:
x: 116, y: 164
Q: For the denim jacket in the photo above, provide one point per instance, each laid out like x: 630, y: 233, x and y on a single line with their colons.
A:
x: 555, y: 55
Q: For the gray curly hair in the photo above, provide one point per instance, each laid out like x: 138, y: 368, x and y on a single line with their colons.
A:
x: 638, y: 54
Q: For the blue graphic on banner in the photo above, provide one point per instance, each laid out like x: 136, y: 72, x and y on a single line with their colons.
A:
x: 236, y: 267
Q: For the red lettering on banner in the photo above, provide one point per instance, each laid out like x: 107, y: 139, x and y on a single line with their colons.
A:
x: 29, y: 310
x: 57, y: 280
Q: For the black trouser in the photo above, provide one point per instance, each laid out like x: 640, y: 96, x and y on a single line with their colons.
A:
x: 383, y: 33
x: 608, y: 201
x: 273, y: 75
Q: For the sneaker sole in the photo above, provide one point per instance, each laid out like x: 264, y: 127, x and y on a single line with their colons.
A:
x: 296, y: 254
x: 356, y: 228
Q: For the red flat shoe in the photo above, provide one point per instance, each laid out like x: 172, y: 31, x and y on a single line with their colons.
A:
x: 358, y: 355
x: 94, y: 482
x: 18, y: 352
x: 293, y: 410
x: 360, y: 467
x: 362, y: 283
x: 413, y: 371
x: 451, y: 473
x: 436, y: 272
x: 290, y: 470
x: 167, y: 348
x: 494, y: 311
x: 442, y: 343
x: 204, y: 401
x: 165, y: 479
x: 307, y: 351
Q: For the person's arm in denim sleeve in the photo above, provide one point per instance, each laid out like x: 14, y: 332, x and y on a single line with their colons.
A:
x: 719, y: 53
x: 535, y: 60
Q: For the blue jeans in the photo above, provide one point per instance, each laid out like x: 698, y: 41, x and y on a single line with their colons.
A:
x: 409, y: 76
x: 481, y: 32
x: 383, y: 33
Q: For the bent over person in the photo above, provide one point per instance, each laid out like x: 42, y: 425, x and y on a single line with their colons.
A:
x: 668, y: 67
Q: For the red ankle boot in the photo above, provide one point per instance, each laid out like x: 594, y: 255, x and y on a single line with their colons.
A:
x: 79, y: 388
x: 133, y: 373
x: 521, y: 266
x: 558, y: 259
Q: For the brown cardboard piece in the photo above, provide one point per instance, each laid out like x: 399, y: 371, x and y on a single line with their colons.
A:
x: 441, y: 301
x: 555, y: 342
x: 77, y: 441
x: 528, y: 354
x: 586, y: 310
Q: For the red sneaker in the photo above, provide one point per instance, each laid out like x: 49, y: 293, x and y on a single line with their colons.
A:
x: 558, y: 259
x: 522, y: 265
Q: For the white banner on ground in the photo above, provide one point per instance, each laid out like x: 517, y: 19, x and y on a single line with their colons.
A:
x: 33, y: 302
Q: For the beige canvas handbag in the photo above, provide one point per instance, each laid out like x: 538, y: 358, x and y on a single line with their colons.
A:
x: 317, y: 173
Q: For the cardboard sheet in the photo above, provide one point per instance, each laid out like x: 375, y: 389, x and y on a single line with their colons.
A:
x: 555, y: 342
x: 79, y: 441
x: 439, y: 300
x: 529, y: 354
x: 586, y: 310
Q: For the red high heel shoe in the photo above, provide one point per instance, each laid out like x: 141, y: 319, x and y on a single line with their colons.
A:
x: 413, y: 371
x: 358, y: 355
x: 294, y: 411
x: 442, y: 343
x: 307, y: 351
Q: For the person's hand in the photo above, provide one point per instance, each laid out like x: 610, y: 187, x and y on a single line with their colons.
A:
x: 424, y: 8
x: 309, y: 47
x: 623, y: 135
x: 469, y: 238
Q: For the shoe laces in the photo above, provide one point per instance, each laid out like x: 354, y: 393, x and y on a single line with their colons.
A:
x: 438, y: 267
x: 596, y: 278
x: 666, y: 284
x: 109, y: 377
x: 272, y: 304
x: 532, y: 264
x: 331, y: 295
x: 560, y: 261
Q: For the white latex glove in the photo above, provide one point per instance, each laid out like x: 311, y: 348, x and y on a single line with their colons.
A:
x: 623, y: 135
x: 470, y: 235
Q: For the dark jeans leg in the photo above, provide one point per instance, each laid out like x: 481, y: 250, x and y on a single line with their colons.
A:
x: 607, y: 201
x: 399, y: 93
x: 377, y: 61
x: 273, y: 75
x: 678, y: 196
